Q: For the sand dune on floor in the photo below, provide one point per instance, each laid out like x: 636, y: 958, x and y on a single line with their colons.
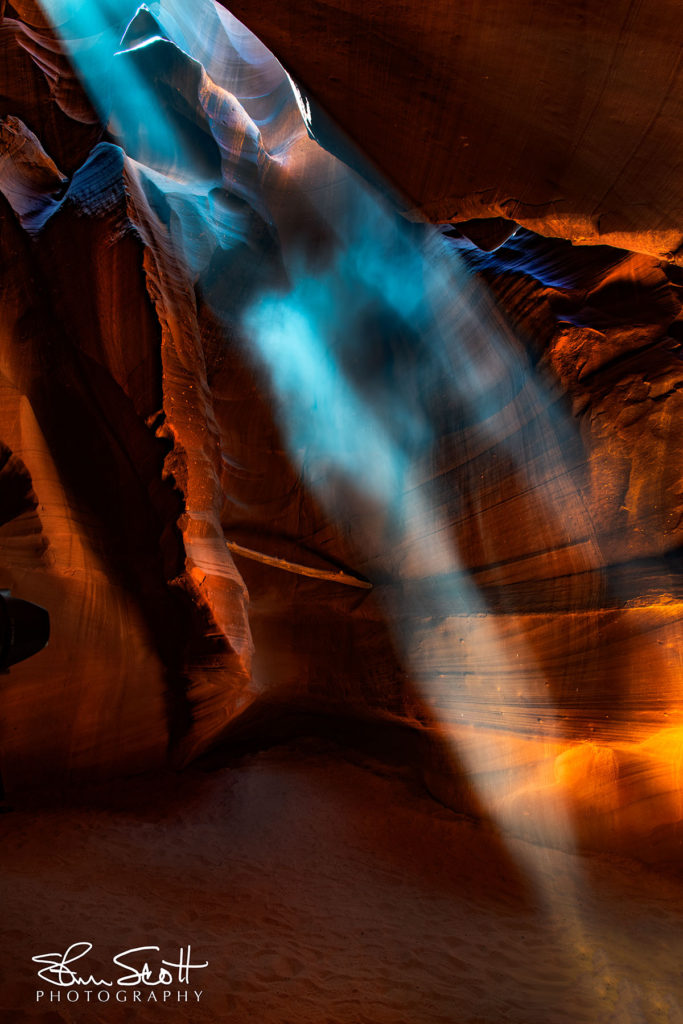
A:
x: 321, y: 887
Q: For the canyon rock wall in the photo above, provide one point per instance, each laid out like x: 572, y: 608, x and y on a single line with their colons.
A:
x: 524, y: 621
x: 565, y: 118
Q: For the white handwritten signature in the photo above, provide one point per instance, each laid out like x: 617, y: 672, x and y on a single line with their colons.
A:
x: 59, y: 972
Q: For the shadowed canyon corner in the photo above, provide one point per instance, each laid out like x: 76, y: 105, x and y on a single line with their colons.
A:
x: 341, y: 372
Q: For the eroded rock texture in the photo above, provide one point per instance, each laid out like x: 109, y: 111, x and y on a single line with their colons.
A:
x: 175, y: 281
x: 563, y: 117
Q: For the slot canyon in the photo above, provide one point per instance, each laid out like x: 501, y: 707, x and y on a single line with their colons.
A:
x: 341, y: 367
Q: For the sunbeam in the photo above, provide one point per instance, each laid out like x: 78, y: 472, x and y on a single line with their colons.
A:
x: 383, y: 356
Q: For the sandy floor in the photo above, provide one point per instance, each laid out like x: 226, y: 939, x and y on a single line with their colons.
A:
x: 328, y: 891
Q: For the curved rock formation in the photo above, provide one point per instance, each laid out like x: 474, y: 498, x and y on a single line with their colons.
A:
x: 213, y: 332
x: 565, y: 118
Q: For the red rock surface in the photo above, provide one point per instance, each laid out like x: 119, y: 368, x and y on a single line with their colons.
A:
x: 138, y: 437
x: 563, y: 117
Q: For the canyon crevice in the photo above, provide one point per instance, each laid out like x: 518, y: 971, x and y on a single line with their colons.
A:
x: 536, y: 663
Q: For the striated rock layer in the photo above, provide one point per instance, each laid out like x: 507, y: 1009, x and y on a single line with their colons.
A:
x: 565, y: 118
x: 177, y: 286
